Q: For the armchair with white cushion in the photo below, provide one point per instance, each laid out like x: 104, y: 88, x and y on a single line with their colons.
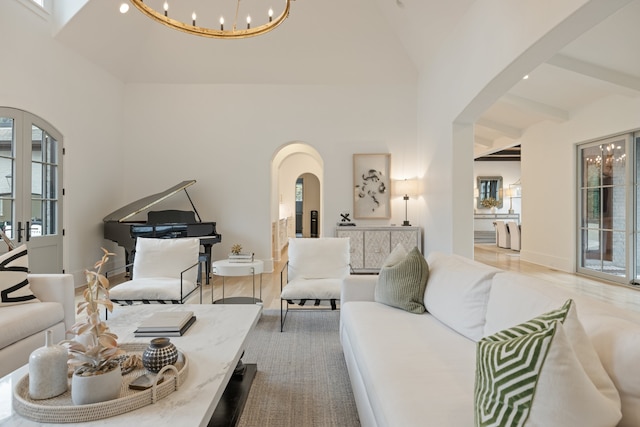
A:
x: 164, y: 271
x: 502, y: 235
x: 315, y: 270
x: 514, y: 233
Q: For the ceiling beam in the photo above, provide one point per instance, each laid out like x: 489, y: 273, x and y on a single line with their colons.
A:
x: 595, y: 71
x: 507, y: 154
x: 528, y: 105
x: 483, y: 141
x: 506, y: 130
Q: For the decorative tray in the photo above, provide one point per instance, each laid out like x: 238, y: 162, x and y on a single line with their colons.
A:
x: 60, y: 409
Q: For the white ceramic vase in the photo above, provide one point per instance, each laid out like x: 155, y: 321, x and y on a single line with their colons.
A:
x: 96, y: 388
x: 48, y: 370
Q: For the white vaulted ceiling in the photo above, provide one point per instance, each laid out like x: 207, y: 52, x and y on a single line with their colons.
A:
x: 360, y: 42
x: 322, y: 42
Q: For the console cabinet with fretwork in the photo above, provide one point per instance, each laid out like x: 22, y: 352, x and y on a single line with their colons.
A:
x: 370, y: 246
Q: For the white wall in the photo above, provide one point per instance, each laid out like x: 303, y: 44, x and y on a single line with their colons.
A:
x: 225, y: 137
x: 83, y: 103
x: 549, y: 201
x: 491, y: 48
x: 127, y: 142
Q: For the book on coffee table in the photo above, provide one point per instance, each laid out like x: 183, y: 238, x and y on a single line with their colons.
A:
x: 166, y: 323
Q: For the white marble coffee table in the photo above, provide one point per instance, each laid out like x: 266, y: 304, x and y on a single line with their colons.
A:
x: 214, y: 344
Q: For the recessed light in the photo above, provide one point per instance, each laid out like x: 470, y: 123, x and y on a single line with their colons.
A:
x: 525, y: 77
x: 124, y: 8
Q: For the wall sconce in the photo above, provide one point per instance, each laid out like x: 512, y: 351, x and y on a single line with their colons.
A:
x: 406, y: 188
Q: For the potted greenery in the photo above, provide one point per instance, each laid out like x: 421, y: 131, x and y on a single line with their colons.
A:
x: 490, y: 202
x: 93, y: 352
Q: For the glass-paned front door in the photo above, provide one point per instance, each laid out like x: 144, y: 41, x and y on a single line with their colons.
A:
x: 44, y: 183
x: 30, y: 188
x: 7, y: 168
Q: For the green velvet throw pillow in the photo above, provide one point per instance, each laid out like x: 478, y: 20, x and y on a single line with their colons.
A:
x: 402, y: 284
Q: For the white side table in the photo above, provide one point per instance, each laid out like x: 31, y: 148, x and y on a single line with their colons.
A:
x: 224, y: 268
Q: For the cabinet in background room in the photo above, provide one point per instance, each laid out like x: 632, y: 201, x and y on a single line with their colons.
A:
x: 370, y: 246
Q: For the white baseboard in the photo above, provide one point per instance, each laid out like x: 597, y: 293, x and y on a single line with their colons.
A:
x: 556, y: 263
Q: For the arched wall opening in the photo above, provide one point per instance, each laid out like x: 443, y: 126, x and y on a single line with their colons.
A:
x: 290, y: 162
x: 572, y: 25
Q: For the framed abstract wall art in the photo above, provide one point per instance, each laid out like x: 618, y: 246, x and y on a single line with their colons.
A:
x: 371, y: 186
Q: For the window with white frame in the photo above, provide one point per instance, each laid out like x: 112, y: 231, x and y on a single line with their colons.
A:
x: 608, y: 195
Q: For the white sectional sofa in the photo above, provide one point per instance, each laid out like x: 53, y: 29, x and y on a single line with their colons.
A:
x: 411, y: 369
x: 23, y: 325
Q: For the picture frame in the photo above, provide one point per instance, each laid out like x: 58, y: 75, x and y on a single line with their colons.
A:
x: 372, y: 186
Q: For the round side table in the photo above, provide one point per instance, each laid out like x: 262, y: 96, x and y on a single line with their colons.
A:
x: 225, y: 268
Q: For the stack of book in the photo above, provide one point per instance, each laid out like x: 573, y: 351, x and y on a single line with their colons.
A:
x: 243, y: 257
x: 166, y: 324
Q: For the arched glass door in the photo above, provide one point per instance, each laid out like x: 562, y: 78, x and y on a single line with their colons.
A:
x: 30, y: 188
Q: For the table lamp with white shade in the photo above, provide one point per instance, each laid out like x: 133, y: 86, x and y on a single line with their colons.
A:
x: 406, y: 188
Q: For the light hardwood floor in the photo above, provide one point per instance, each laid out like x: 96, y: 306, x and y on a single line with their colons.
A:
x: 620, y: 296
x: 233, y: 287
x: 505, y: 259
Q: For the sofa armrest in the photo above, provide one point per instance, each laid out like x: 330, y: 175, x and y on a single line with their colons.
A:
x: 358, y: 287
x: 56, y: 288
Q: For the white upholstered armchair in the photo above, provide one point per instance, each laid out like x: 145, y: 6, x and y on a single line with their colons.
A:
x: 502, y: 235
x: 164, y: 271
x: 314, y: 272
x: 514, y: 235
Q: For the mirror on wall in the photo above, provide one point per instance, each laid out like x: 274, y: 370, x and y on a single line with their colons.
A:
x: 489, y: 189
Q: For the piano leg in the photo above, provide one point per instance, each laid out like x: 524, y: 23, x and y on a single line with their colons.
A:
x: 206, y: 258
x: 128, y: 259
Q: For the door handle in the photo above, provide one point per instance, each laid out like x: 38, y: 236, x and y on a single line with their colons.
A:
x: 19, y: 231
x: 28, y: 231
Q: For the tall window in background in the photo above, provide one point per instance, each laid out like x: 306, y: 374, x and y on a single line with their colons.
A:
x: 606, y: 209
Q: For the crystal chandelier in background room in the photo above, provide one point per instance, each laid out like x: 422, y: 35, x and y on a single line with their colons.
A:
x: 198, y: 17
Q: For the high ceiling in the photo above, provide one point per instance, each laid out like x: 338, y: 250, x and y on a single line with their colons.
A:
x: 602, y: 62
x: 360, y: 42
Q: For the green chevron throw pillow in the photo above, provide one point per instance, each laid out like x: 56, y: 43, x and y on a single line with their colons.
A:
x: 402, y: 284
x: 543, y: 372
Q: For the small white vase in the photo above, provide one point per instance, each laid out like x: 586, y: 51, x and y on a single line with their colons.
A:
x: 96, y: 388
x: 48, y: 370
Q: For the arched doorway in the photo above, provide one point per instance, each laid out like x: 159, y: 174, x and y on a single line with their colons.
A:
x: 291, y: 163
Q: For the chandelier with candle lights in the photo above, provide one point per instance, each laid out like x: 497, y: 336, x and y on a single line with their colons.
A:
x: 162, y: 13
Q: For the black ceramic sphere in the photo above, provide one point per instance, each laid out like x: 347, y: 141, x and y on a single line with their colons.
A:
x: 160, y: 353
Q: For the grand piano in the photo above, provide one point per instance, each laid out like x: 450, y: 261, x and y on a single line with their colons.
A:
x: 166, y: 224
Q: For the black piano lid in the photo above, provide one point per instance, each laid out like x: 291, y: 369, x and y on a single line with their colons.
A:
x: 132, y: 209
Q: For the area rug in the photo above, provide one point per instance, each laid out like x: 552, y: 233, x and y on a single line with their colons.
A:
x: 302, y: 377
